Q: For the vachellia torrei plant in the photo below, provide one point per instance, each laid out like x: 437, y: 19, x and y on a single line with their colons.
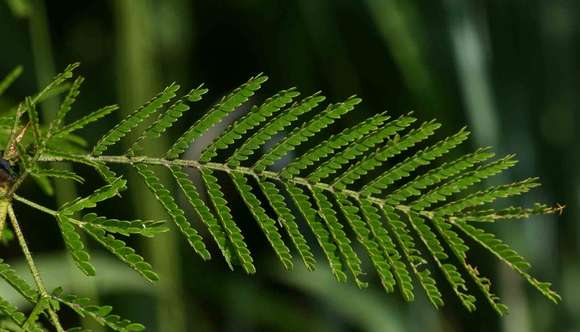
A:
x: 360, y: 187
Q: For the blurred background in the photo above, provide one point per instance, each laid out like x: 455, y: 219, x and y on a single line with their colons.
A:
x: 510, y: 70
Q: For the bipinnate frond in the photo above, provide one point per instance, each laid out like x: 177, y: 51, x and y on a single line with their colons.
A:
x: 381, y: 188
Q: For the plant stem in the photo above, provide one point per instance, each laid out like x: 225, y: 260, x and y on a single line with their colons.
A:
x: 44, y: 63
x: 35, y: 205
x: 225, y: 168
x: 3, y: 212
x: 33, y: 268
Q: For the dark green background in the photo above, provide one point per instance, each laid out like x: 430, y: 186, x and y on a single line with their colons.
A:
x: 510, y: 70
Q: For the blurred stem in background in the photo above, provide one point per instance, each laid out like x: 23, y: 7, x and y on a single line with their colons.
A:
x: 329, y: 46
x: 138, y: 81
x: 400, y: 28
x: 44, y: 65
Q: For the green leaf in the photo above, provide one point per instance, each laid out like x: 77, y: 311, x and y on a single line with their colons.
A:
x: 227, y: 105
x: 20, y: 285
x: 437, y: 175
x: 365, y: 238
x: 360, y: 148
x: 267, y: 224
x: 216, y: 197
x: 287, y: 220
x: 101, y: 314
x: 85, y: 120
x: 273, y: 127
x: 57, y: 173
x: 328, y: 215
x: 169, y: 117
x: 75, y: 245
x: 459, y: 250
x: 393, y: 147
x: 205, y: 215
x: 148, y: 228
x: 303, y: 133
x: 509, y: 256
x: 30, y: 323
x: 404, y: 168
x: 66, y: 105
x: 134, y: 119
x: 403, y: 216
x: 335, y: 142
x: 249, y: 121
x: 452, y: 275
x: 413, y: 256
x: 321, y: 233
x: 487, y: 196
x: 7, y: 309
x: 123, y: 252
x: 166, y: 199
x: 390, y: 251
x: 33, y: 119
x: 463, y: 182
x: 97, y: 196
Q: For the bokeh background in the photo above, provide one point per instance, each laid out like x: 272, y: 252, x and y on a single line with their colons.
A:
x: 510, y: 70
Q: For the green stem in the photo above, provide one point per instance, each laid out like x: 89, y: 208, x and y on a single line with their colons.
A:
x: 130, y: 160
x: 44, y: 63
x: 33, y: 268
x: 3, y: 212
x: 35, y: 205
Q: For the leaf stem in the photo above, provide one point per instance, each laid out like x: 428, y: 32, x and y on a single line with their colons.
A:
x: 33, y: 268
x: 131, y: 160
x: 35, y: 205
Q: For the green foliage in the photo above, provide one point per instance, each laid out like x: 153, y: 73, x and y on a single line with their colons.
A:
x: 407, y: 218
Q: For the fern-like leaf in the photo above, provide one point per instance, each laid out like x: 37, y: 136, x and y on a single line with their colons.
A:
x: 227, y: 105
x: 508, y: 256
x: 252, y: 119
x: 320, y: 231
x: 169, y: 117
x: 205, y: 215
x: 407, y: 217
x: 302, y: 134
x: 134, y: 119
x: 101, y: 314
x: 275, y: 126
x: 147, y: 228
x: 75, y: 245
x: 335, y: 142
x: 437, y: 251
x: 91, y: 201
x: 267, y: 224
x: 66, y: 105
x: 10, y: 311
x: 413, y: 256
x: 176, y: 213
x: 390, y: 251
x: 288, y: 221
x: 123, y: 252
x: 20, y: 285
x: 86, y: 120
x: 393, y: 147
x: 404, y: 168
x: 335, y: 228
x: 232, y: 230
